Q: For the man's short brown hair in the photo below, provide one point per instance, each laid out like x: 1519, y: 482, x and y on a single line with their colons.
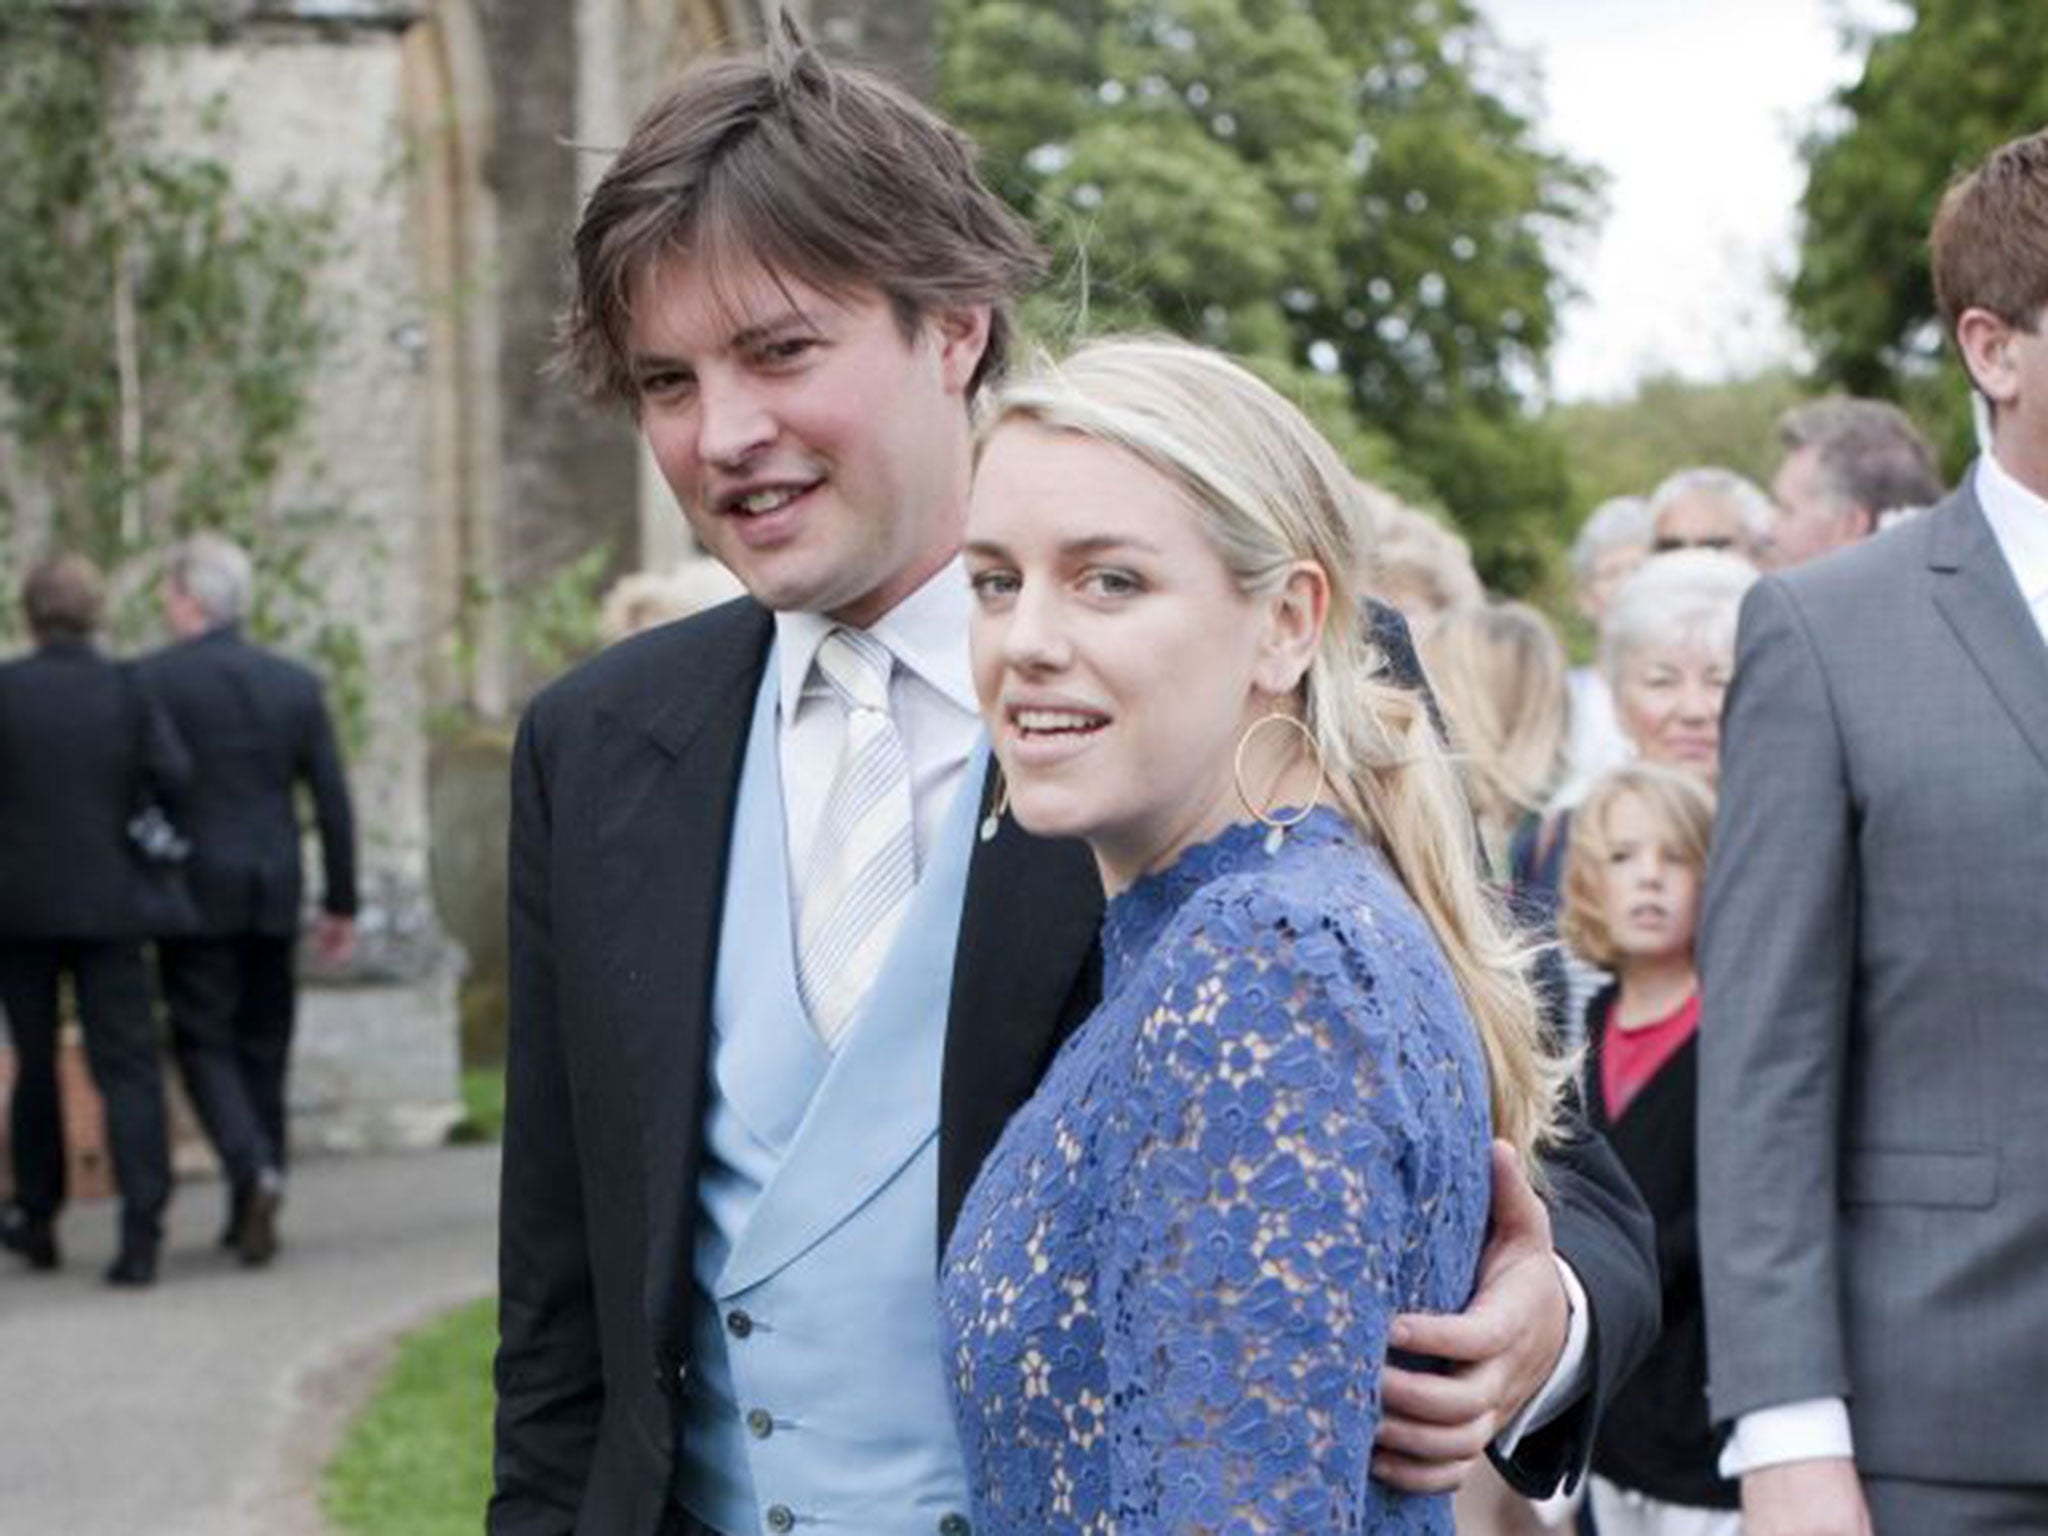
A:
x: 63, y: 598
x: 1869, y: 452
x: 818, y: 171
x: 1990, y: 238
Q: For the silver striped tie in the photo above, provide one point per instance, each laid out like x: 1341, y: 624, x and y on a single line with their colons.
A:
x: 863, y: 864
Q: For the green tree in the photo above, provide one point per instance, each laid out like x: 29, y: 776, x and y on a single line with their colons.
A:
x: 1340, y: 191
x: 1624, y: 447
x: 1935, y: 95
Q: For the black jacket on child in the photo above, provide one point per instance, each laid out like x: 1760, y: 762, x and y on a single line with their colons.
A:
x: 1656, y: 1437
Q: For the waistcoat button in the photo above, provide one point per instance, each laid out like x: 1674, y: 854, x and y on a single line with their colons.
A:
x: 780, y: 1518
x: 760, y: 1423
x: 955, y: 1525
x: 738, y: 1324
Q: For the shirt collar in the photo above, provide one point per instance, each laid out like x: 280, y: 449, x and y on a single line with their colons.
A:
x: 926, y: 633
x: 2019, y: 522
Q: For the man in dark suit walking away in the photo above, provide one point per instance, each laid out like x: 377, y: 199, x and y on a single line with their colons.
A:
x: 79, y: 745
x: 743, y: 1106
x: 257, y: 727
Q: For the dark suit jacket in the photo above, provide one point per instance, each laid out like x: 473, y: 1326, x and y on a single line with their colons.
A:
x: 79, y: 743
x: 623, y: 786
x: 256, y: 726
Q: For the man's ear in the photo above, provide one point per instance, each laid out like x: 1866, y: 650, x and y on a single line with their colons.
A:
x: 1295, y: 617
x: 962, y: 339
x: 1985, y: 342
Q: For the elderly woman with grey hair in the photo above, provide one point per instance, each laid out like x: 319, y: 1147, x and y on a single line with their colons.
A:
x: 1668, y: 649
x: 1708, y: 507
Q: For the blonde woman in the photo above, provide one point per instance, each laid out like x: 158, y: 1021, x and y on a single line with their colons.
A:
x: 1499, y: 673
x: 1418, y: 565
x: 1169, y: 1294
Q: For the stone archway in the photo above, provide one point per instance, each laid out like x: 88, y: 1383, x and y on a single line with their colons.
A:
x: 449, y: 112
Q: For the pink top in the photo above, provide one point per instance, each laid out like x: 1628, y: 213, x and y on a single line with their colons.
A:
x: 1629, y: 1058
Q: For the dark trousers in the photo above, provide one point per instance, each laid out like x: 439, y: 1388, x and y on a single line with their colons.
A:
x: 112, y: 984
x: 232, y: 1004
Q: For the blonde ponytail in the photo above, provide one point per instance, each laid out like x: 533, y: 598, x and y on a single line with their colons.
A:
x: 1391, y: 775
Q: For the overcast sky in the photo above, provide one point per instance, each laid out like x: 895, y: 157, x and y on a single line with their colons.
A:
x: 1694, y: 111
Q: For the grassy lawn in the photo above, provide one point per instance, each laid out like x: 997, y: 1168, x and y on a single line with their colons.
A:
x: 417, y: 1461
x: 483, y: 1103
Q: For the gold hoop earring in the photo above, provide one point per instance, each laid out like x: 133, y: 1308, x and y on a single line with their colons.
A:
x: 1277, y: 826
x: 993, y: 821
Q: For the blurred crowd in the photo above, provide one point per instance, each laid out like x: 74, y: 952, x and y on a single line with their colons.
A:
x: 1594, y: 787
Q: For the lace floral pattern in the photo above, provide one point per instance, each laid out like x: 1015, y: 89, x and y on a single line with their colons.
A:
x: 1168, y: 1293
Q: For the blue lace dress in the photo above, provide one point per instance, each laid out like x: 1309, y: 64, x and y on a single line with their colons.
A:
x: 1167, y: 1296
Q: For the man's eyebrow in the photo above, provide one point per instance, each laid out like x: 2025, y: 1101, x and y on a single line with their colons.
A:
x: 642, y: 362
x: 746, y: 337
x: 768, y: 330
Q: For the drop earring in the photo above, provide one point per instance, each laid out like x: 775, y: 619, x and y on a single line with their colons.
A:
x: 1276, y: 826
x: 993, y: 821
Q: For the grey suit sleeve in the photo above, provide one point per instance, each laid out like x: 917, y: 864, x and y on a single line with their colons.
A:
x: 1777, y: 960
x: 548, y: 1372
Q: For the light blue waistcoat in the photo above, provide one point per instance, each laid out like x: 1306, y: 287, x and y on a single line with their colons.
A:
x: 818, y: 1398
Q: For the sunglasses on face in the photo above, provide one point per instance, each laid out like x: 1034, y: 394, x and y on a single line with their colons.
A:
x: 1665, y: 544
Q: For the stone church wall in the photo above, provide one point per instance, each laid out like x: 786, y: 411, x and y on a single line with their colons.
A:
x: 456, y: 139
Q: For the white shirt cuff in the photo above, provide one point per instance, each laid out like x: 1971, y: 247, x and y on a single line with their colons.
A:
x: 1815, y: 1429
x: 1567, y: 1377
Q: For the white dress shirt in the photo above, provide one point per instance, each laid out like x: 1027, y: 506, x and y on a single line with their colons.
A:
x: 1818, y: 1427
x: 931, y: 696
x: 2019, y: 522
x: 1568, y: 1378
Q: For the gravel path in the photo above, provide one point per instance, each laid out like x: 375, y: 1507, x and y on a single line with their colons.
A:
x: 206, y: 1405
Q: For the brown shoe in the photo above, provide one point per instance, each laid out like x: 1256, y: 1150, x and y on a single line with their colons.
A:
x: 256, y: 1227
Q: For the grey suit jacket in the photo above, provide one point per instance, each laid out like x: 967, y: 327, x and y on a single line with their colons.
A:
x: 1874, y: 1043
